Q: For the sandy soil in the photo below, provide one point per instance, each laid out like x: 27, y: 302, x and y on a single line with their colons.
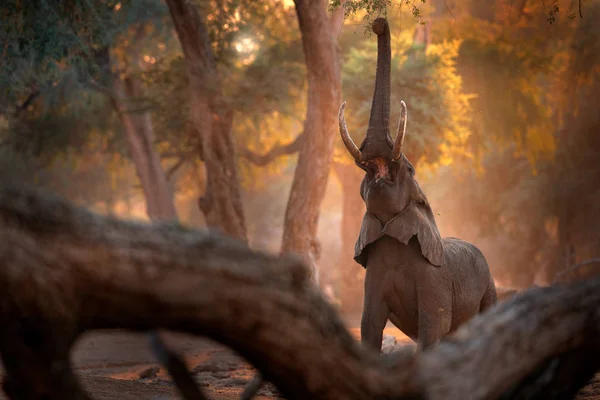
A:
x: 119, y: 365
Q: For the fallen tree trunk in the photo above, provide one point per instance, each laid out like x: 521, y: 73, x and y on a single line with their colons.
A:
x: 66, y: 270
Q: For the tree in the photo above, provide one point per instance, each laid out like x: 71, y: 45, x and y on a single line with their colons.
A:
x: 221, y: 202
x: 258, y: 87
x: 312, y: 171
x: 53, y: 53
x: 128, y: 96
x: 93, y: 272
x: 315, y: 147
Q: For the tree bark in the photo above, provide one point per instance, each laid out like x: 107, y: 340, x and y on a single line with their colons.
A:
x: 140, y: 138
x: 314, y: 160
x: 221, y: 203
x: 66, y: 271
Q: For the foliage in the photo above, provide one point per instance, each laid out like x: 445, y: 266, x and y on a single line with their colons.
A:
x: 531, y: 215
x: 52, y: 51
x: 45, y: 41
x: 58, y: 123
x: 372, y: 9
x: 262, y: 76
x: 513, y: 79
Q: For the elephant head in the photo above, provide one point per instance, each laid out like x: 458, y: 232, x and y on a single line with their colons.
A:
x: 395, y: 203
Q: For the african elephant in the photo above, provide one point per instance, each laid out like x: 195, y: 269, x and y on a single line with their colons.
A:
x: 425, y: 285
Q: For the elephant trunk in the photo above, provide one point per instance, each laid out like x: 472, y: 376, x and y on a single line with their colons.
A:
x: 378, y: 142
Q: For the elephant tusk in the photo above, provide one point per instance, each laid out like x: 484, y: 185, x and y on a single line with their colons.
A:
x: 348, y: 142
x: 397, y: 151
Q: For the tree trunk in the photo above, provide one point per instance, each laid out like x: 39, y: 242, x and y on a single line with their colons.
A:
x: 139, y: 133
x: 212, y: 119
x: 353, y: 209
x: 66, y: 271
x: 314, y: 160
x: 140, y: 137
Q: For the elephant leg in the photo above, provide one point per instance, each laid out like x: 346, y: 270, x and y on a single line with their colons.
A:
x: 434, y: 323
x: 374, y: 317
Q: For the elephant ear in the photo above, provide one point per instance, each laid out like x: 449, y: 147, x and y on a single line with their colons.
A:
x: 417, y: 220
x: 370, y: 230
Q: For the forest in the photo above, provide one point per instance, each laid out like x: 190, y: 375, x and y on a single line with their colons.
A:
x: 177, y: 165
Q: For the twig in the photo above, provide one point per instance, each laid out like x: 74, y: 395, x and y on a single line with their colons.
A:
x: 171, y: 171
x: 559, y: 276
x: 449, y: 10
x: 586, y: 262
x: 30, y: 99
x: 253, y: 387
x: 275, y: 152
x: 114, y: 101
x: 176, y: 367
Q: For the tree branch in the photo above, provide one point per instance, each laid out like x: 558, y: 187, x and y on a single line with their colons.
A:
x: 30, y: 99
x: 577, y: 272
x: 171, y: 171
x: 275, y: 152
x: 66, y: 271
x: 176, y: 368
x: 587, y: 262
x: 114, y: 101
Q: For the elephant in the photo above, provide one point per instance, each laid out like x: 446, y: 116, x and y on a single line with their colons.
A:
x: 425, y: 285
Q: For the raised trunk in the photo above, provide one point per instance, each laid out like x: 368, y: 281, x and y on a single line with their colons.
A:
x: 140, y: 138
x: 353, y: 209
x: 379, y: 121
x: 377, y: 142
x: 314, y: 160
x: 212, y: 118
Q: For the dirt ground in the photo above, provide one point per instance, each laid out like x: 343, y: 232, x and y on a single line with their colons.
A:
x: 119, y: 365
